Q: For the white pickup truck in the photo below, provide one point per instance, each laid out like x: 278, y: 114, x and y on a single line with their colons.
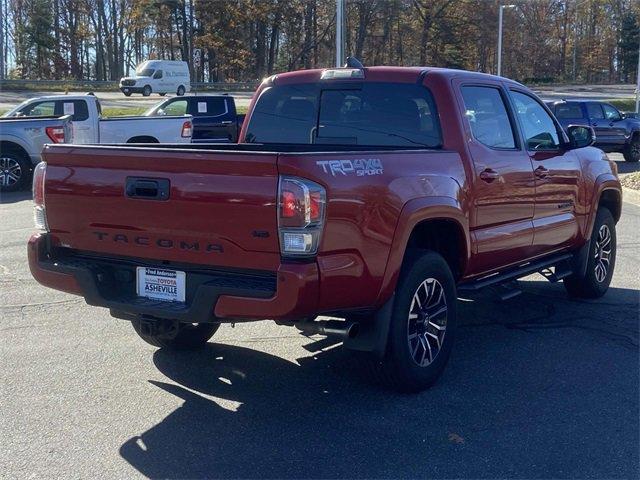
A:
x: 90, y: 127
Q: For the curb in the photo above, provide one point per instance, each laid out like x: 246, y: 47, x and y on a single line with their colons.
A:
x: 631, y: 196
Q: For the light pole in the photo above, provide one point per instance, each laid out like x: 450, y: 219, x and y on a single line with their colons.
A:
x: 638, y: 83
x: 339, y: 32
x: 502, y: 7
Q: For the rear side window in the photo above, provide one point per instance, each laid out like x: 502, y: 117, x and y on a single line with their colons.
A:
x: 76, y: 108
x: 487, y: 115
x: 210, y: 107
x: 595, y: 111
x: 568, y: 110
x: 372, y: 114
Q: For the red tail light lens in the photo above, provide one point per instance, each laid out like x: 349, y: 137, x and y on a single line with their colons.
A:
x: 301, y: 205
x: 56, y: 134
x: 187, y: 129
x: 39, y: 212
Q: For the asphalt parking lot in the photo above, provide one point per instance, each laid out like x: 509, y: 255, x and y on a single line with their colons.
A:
x: 538, y: 387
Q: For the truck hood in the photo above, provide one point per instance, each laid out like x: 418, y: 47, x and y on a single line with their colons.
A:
x: 134, y: 78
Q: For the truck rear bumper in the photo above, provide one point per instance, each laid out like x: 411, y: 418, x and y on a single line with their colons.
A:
x: 212, y: 295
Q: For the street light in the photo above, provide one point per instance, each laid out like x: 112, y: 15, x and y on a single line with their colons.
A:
x: 502, y: 7
x: 339, y: 32
x: 638, y: 83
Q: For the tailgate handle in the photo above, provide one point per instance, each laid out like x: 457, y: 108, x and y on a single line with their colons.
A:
x: 147, y: 188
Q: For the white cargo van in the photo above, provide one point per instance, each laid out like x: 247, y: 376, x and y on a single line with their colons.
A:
x: 158, y: 76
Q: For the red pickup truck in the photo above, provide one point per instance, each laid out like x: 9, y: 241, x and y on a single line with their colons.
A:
x: 376, y: 196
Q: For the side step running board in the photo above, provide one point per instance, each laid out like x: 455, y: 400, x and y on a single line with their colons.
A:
x: 543, y: 265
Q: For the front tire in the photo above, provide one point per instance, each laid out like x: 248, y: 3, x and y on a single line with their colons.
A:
x: 127, y: 94
x: 632, y: 150
x: 15, y: 170
x: 594, y: 283
x: 146, y: 91
x: 423, y: 325
x: 185, y: 336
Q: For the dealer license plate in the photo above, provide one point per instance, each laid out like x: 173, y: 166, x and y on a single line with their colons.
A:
x: 161, y: 284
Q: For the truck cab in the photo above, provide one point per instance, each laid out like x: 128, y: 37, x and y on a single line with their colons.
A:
x: 214, y: 116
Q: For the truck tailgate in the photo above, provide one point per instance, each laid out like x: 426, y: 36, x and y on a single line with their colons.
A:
x: 220, y: 210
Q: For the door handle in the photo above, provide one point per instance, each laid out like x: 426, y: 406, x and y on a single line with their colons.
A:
x: 227, y: 122
x: 541, y: 172
x: 489, y: 175
x: 595, y: 124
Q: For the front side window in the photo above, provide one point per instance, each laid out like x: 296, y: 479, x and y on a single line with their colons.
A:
x: 158, y: 74
x: 610, y: 112
x: 488, y: 118
x: 539, y: 129
x: 39, y: 109
x: 177, y: 107
x: 371, y: 114
x: 595, y: 111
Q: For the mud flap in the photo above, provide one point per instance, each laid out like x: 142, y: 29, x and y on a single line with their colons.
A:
x: 580, y: 259
x: 373, y: 335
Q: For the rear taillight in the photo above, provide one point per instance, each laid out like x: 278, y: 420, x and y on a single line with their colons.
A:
x: 56, y: 134
x: 187, y: 130
x: 39, y: 212
x: 301, y: 210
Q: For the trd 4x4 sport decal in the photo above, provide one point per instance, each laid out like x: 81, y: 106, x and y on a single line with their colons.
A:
x: 360, y: 167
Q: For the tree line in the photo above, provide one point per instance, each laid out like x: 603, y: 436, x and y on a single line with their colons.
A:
x: 593, y: 41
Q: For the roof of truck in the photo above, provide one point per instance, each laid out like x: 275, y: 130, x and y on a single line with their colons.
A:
x: 384, y: 73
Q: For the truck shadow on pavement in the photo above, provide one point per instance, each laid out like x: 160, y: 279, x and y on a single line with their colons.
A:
x: 539, y: 386
x: 14, y: 197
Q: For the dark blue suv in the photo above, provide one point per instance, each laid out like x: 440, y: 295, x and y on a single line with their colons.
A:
x: 614, y: 131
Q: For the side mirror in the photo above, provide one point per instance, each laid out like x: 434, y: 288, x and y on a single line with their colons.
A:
x: 160, y: 111
x: 580, y: 136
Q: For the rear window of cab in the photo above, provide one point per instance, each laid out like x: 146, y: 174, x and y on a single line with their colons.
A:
x: 370, y: 114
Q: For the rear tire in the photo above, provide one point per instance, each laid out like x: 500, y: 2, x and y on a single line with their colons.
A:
x: 631, y: 152
x: 146, y: 91
x: 187, y: 336
x: 423, y: 325
x: 180, y: 91
x: 594, y: 283
x: 15, y: 170
x: 162, y: 94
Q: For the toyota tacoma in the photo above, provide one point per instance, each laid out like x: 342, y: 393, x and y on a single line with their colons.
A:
x: 372, y: 196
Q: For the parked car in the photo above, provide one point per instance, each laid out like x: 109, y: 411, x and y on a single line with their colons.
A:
x: 374, y: 195
x: 21, y: 141
x: 214, y: 116
x: 87, y: 125
x: 158, y: 76
x: 615, y: 131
